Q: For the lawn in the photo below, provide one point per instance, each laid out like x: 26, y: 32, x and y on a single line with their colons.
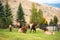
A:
x: 39, y: 35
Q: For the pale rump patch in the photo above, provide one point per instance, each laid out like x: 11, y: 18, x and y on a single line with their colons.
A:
x: 10, y: 28
x: 30, y: 26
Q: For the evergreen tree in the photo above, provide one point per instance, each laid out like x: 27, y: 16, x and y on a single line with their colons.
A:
x: 1, y: 9
x: 1, y: 14
x: 55, y: 20
x: 51, y: 22
x: 20, y: 15
x: 6, y: 18
x: 7, y: 15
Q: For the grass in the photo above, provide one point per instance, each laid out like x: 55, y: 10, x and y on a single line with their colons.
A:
x: 39, y: 35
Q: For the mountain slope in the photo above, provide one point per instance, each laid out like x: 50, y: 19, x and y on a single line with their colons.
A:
x: 48, y: 11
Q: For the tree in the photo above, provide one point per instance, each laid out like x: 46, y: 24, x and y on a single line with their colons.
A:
x: 1, y: 14
x: 7, y: 15
x: 55, y: 20
x: 1, y: 9
x: 45, y: 21
x: 51, y: 22
x: 40, y: 16
x: 20, y: 15
x: 34, y: 12
x: 36, y: 16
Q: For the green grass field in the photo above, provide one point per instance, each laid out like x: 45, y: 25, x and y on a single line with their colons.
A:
x: 39, y: 35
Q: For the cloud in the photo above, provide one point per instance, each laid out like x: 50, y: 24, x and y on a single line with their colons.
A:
x: 46, y: 1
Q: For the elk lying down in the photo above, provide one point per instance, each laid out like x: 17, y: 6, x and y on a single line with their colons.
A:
x: 49, y: 33
x: 23, y: 29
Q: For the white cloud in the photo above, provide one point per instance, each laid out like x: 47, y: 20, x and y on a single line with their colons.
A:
x: 46, y: 1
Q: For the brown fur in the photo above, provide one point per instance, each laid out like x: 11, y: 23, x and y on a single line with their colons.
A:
x: 23, y: 29
x: 48, y: 32
x: 33, y: 27
x: 28, y: 26
x: 45, y: 29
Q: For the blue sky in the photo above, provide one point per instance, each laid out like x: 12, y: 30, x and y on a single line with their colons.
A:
x: 55, y: 3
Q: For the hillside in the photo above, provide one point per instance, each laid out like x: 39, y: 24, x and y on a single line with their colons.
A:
x: 48, y: 11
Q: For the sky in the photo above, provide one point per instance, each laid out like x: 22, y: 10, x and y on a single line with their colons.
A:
x: 55, y: 3
x: 47, y: 1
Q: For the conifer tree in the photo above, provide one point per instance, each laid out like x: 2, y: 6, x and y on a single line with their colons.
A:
x: 20, y: 15
x: 7, y: 15
x: 51, y: 22
x: 55, y: 20
x: 1, y: 14
x: 1, y: 9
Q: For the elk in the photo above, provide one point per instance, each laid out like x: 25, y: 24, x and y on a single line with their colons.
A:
x: 33, y: 26
x: 23, y: 29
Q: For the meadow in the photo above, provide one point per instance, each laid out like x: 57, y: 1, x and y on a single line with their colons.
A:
x: 15, y: 35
